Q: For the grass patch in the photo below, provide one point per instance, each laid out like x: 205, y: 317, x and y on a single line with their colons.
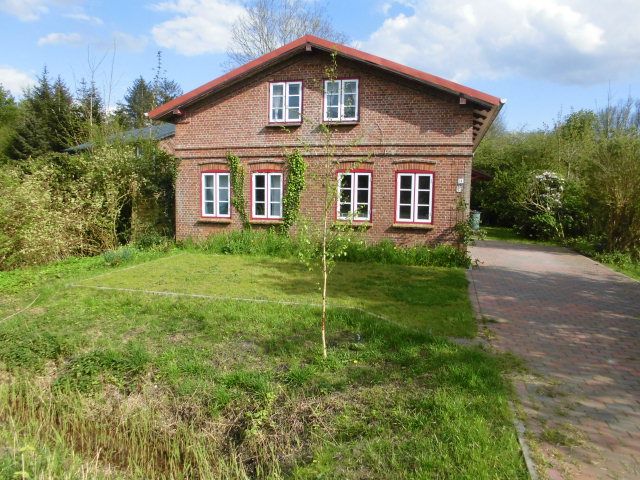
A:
x: 432, y: 300
x: 272, y: 244
x: 506, y: 234
x: 128, y: 385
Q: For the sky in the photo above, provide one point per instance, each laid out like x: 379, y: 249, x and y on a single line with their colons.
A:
x: 547, y: 58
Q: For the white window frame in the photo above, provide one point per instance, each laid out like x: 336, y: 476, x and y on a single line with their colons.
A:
x: 353, y: 211
x: 216, y: 194
x: 267, y: 195
x: 341, y: 102
x: 285, y: 118
x: 415, y: 176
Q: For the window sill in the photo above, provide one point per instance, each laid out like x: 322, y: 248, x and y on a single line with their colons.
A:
x: 341, y: 122
x: 414, y: 226
x: 266, y: 221
x: 214, y: 220
x: 283, y: 124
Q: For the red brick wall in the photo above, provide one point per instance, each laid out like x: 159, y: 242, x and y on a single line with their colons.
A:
x: 403, y: 126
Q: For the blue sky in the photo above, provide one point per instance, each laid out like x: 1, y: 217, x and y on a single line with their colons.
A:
x: 543, y: 56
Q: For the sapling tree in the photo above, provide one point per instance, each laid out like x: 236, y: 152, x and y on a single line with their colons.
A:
x: 327, y: 240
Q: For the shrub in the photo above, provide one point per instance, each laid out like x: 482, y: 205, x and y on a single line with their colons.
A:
x: 271, y: 243
x: 113, y: 258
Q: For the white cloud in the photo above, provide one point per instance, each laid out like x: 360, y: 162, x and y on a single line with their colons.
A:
x: 15, y: 80
x: 83, y: 17
x: 568, y: 41
x: 130, y: 43
x: 31, y: 10
x: 198, y: 26
x: 57, y: 38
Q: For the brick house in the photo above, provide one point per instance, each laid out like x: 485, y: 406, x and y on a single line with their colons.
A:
x: 405, y: 141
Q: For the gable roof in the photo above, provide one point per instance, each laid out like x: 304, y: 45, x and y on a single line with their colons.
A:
x: 487, y: 109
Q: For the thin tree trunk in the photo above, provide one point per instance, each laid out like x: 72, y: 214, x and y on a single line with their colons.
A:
x: 324, y: 286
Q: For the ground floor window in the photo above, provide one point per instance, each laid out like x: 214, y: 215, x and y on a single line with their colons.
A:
x: 414, y: 197
x: 354, y: 196
x: 215, y: 194
x: 266, y: 195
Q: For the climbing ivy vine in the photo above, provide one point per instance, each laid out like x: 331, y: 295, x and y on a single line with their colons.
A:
x: 237, y: 188
x: 296, y: 168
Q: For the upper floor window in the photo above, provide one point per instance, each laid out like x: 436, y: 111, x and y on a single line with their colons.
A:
x: 340, y: 100
x: 354, y: 196
x: 266, y: 195
x: 215, y: 194
x: 285, y: 102
x: 414, y: 197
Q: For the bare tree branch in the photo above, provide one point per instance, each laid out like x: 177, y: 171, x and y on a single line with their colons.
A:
x: 269, y: 24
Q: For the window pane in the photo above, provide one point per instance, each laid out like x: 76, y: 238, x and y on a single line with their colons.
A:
x: 363, y: 196
x: 260, y: 197
x: 223, y: 180
x: 423, y: 213
x: 405, y: 212
x: 405, y: 197
x: 223, y: 194
x: 208, y: 194
x: 345, y: 210
x: 423, y: 197
x: 363, y: 211
x: 332, y: 112
x: 345, y: 196
x: 406, y: 181
x: 349, y: 112
x: 345, y: 181
x: 275, y: 195
x: 294, y: 114
x: 259, y: 179
x: 294, y: 101
x: 349, y: 100
x: 333, y: 87
x: 277, y: 89
x: 276, y: 181
x: 363, y: 181
x: 208, y: 208
x: 278, y: 102
x: 294, y: 89
x: 350, y: 86
x: 208, y: 181
x: 259, y: 209
x: 275, y: 210
x: 223, y: 208
x: 333, y: 100
x: 278, y: 114
x: 424, y: 182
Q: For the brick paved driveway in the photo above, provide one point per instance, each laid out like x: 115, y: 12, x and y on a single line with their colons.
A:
x: 577, y: 325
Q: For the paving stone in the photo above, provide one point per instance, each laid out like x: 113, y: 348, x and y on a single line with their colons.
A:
x: 576, y: 324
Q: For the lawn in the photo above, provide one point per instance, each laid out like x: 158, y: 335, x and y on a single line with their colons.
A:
x: 506, y: 234
x: 119, y: 383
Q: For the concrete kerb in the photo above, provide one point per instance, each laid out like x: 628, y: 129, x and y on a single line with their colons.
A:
x: 517, y: 424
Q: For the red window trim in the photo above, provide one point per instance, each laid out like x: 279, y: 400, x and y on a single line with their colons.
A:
x: 266, y: 218
x: 337, y: 208
x: 201, y: 202
x: 397, y: 173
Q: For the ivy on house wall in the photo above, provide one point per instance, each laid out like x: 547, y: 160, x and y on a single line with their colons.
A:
x: 296, y: 168
x: 237, y: 188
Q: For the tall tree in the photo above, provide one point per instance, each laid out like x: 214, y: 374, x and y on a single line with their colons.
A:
x: 164, y: 89
x: 90, y: 105
x: 8, y: 119
x: 269, y: 24
x: 139, y: 99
